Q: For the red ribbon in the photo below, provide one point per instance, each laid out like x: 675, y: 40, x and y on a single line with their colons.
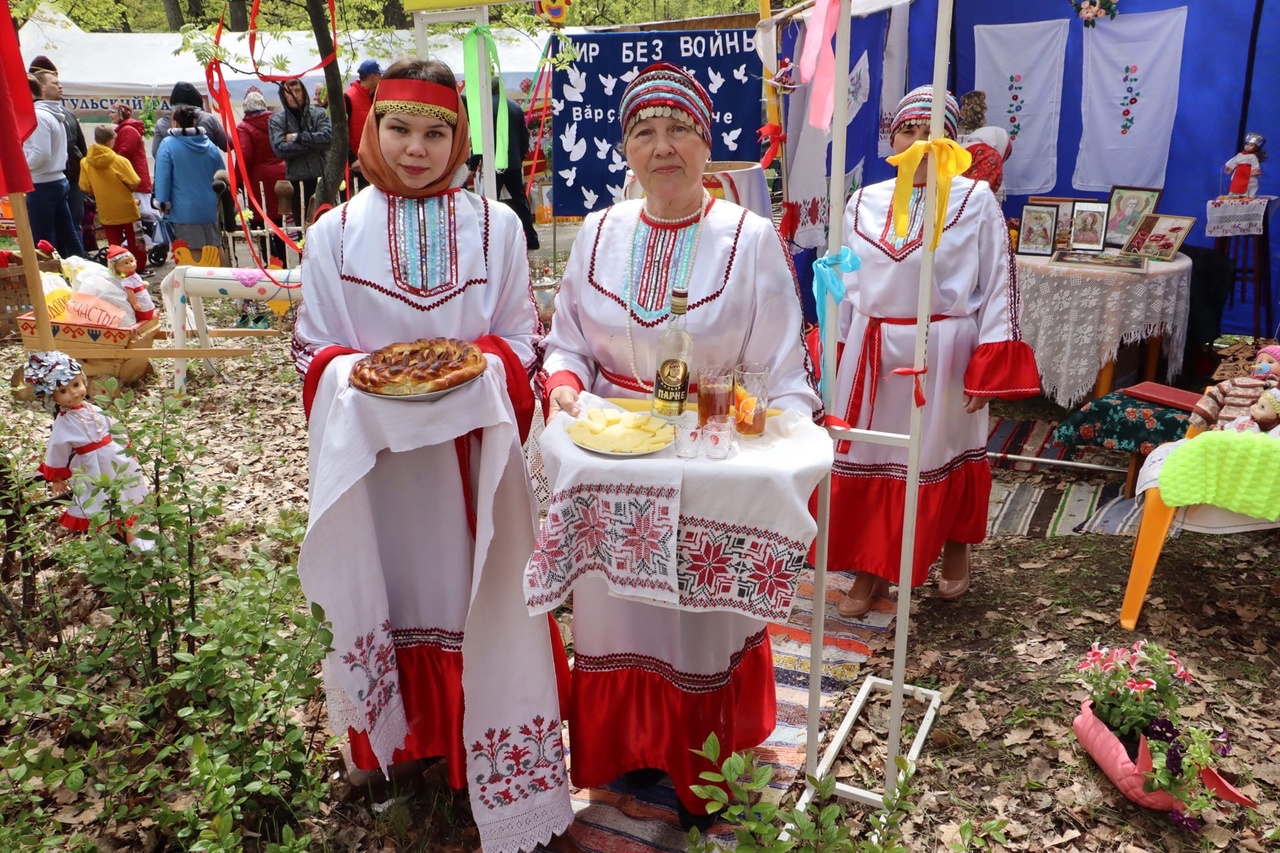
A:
x: 915, y: 378
x: 218, y: 93
x: 790, y: 219
x: 773, y: 133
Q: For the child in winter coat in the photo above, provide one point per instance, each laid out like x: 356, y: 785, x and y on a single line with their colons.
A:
x: 111, y: 180
x: 184, y: 185
x: 124, y: 267
x: 82, y: 446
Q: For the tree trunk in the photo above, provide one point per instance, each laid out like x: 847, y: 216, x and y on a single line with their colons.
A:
x: 195, y: 11
x: 173, y: 14
x: 335, y: 159
x: 239, y: 16
x: 396, y: 17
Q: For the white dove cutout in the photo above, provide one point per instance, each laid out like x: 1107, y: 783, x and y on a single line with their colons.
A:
x: 603, y: 146
x: 717, y: 80
x: 556, y: 106
x: 608, y: 81
x: 569, y: 175
x: 731, y: 139
x: 631, y: 75
x: 576, y: 147
x: 588, y: 198
x: 619, y: 162
x: 615, y: 193
x: 740, y: 72
x: 577, y: 84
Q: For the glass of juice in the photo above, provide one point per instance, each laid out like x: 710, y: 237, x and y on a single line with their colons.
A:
x: 715, y: 392
x: 751, y: 398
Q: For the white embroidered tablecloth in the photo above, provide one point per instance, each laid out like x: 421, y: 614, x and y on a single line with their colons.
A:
x: 1076, y: 319
x: 740, y: 526
x: 1233, y: 217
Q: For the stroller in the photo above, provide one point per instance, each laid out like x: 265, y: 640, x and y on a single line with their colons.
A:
x: 158, y: 237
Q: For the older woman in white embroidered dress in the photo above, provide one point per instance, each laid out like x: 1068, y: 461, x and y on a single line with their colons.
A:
x: 416, y: 555
x: 651, y: 683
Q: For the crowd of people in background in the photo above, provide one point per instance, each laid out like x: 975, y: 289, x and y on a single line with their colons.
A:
x: 185, y: 194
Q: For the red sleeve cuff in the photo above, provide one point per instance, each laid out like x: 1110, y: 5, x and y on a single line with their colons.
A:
x: 519, y: 388
x: 53, y: 474
x: 315, y: 370
x: 1004, y: 369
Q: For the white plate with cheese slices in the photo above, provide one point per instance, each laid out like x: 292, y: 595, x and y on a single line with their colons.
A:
x: 613, y: 432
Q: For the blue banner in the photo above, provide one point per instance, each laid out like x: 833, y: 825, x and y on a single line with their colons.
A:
x: 589, y: 169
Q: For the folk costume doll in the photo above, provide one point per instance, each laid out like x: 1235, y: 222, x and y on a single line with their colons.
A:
x: 976, y: 352
x: 82, y: 448
x: 421, y: 512
x: 650, y: 683
x: 124, y: 266
x: 1245, y: 167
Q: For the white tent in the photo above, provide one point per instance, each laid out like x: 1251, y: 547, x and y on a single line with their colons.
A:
x: 97, y: 69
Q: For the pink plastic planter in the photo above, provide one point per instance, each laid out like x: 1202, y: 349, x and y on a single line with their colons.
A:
x: 1107, y: 750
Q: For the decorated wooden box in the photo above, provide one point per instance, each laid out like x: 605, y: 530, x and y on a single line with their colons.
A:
x: 98, y: 348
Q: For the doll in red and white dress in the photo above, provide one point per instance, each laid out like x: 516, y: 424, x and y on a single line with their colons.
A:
x: 1245, y: 167
x: 82, y: 448
x: 124, y: 267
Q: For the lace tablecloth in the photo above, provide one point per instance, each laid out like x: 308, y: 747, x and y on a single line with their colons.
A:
x: 1076, y: 319
x: 1231, y: 217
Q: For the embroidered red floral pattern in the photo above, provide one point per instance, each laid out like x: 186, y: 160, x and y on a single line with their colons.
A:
x: 511, y: 767
x: 748, y: 570
x: 374, y: 655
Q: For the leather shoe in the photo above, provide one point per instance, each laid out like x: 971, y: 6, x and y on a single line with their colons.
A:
x: 950, y: 589
x: 688, y: 820
x: 855, y: 604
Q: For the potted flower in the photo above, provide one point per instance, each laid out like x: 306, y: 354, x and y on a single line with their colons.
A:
x: 1131, y: 728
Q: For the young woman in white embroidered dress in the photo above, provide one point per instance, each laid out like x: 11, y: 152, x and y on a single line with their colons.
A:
x: 651, y: 683
x: 414, y: 256
x: 975, y: 353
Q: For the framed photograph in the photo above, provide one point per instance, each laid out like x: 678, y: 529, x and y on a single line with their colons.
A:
x: 1062, y: 237
x: 1158, y: 236
x: 1088, y: 226
x: 1036, y: 230
x: 1125, y: 210
x: 1098, y: 261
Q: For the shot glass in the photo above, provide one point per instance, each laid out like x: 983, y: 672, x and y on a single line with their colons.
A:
x: 717, y: 436
x: 715, y: 392
x: 751, y: 397
x: 688, y: 435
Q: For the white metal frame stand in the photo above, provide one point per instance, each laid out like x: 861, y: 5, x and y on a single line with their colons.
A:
x: 911, y: 441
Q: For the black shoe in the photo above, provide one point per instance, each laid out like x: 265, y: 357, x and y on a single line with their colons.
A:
x: 688, y: 820
x: 646, y: 778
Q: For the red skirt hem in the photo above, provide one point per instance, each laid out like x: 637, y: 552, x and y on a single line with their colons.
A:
x: 632, y: 718
x: 865, y: 531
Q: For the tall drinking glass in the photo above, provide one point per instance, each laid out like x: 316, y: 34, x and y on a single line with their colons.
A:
x: 715, y: 392
x: 751, y: 397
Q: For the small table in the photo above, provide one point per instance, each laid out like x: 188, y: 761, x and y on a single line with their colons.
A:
x: 697, y: 535
x: 1241, y: 228
x: 1076, y: 319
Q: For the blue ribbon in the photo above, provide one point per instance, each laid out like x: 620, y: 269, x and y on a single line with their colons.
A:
x: 827, y: 281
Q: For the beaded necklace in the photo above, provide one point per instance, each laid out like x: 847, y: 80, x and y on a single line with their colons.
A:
x: 679, y: 281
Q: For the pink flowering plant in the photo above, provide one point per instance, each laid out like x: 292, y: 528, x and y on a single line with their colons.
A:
x: 1133, y: 687
x: 1137, y: 691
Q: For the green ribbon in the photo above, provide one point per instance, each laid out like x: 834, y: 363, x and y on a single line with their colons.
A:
x: 475, y: 98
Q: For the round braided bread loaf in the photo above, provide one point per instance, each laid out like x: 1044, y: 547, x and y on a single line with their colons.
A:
x: 418, y: 367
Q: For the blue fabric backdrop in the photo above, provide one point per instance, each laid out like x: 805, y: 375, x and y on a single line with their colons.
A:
x: 588, y: 170
x: 1210, y: 97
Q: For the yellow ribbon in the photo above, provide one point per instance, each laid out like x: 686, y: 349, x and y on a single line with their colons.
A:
x: 952, y: 161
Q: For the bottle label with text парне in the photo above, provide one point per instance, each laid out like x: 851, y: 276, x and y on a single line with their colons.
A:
x: 671, y: 388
